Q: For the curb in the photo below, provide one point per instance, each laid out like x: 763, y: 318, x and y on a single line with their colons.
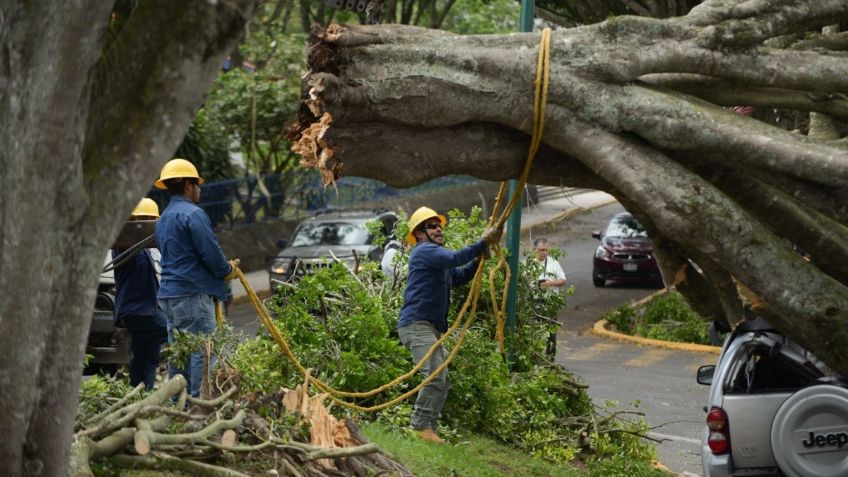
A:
x: 600, y: 329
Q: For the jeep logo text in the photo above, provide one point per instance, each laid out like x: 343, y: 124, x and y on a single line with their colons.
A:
x: 839, y: 439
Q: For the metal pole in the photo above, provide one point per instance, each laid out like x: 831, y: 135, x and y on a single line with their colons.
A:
x: 528, y: 8
x: 513, y: 238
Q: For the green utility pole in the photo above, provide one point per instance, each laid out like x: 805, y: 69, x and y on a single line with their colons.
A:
x: 513, y: 237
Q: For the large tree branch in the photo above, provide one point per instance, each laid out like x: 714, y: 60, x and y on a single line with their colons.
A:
x: 832, y: 42
x: 671, y: 196
x: 623, y: 132
x: 725, y: 93
x: 754, y: 21
x: 809, y: 71
x: 679, y: 272
x: 832, y: 202
x: 676, y: 122
x: 824, y: 239
x: 381, y: 151
x: 392, y: 94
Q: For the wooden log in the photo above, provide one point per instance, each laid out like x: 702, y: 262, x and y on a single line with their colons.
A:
x: 145, y: 439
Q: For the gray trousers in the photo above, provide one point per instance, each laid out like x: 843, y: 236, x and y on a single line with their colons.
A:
x: 418, y: 337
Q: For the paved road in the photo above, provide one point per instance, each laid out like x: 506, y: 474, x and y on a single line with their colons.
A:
x: 661, y: 381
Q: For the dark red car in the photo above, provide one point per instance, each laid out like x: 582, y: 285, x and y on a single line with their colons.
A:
x: 625, y: 253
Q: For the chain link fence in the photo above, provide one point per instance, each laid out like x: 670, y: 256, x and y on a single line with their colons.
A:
x: 238, y: 202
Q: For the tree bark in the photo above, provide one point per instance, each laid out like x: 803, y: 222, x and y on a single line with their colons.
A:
x: 630, y: 110
x: 85, y: 131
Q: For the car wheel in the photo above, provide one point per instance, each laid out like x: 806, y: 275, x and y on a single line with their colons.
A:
x: 598, y: 281
x: 809, y: 433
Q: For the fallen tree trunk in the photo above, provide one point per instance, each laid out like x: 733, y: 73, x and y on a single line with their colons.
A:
x: 628, y: 112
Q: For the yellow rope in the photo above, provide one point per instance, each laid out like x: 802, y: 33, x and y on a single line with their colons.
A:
x: 219, y: 314
x: 539, y: 103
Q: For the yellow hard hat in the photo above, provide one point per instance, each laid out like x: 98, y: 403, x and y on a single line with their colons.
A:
x: 419, y: 217
x: 147, y: 207
x: 177, y: 169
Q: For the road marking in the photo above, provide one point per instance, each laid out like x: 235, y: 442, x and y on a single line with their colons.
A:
x: 648, y: 358
x: 593, y: 351
x: 669, y: 437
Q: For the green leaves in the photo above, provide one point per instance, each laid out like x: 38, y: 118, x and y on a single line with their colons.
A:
x: 343, y: 329
x: 667, y: 317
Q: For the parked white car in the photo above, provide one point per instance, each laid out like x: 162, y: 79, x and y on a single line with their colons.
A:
x: 773, y: 410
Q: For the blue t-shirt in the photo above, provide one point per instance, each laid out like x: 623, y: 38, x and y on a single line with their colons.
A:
x: 136, y: 286
x: 192, y: 260
x: 433, y: 270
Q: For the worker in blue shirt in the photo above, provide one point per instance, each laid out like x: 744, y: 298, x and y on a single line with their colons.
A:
x: 194, y: 269
x: 433, y: 270
x: 136, y: 284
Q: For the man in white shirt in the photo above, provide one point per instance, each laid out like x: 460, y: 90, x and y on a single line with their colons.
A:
x: 552, y: 277
x: 390, y: 251
x: 552, y: 274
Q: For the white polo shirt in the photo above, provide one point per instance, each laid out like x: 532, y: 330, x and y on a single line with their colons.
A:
x: 553, y: 270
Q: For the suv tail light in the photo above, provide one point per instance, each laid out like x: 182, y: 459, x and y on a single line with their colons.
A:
x: 719, y: 432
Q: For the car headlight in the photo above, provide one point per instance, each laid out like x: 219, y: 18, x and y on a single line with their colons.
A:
x: 278, y: 268
x: 602, y: 252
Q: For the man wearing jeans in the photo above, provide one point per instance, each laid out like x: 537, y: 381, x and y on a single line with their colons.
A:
x: 194, y: 269
x: 433, y: 270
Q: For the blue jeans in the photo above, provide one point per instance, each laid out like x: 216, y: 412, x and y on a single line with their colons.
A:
x: 147, y: 333
x: 196, y: 315
x: 418, y: 337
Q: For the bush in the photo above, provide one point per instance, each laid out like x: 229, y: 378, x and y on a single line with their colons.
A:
x: 667, y: 317
x: 343, y: 329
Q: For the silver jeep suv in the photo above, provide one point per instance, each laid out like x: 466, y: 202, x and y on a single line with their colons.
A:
x: 773, y: 409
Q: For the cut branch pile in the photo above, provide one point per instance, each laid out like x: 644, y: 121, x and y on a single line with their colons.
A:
x: 638, y: 107
x: 156, y: 433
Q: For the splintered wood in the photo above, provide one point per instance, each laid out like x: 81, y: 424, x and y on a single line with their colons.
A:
x: 315, y: 152
x: 324, y: 429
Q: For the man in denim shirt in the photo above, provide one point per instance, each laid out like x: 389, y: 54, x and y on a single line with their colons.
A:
x: 137, y: 287
x: 194, y: 269
x: 433, y: 270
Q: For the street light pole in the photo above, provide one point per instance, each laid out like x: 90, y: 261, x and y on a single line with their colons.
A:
x: 513, y: 238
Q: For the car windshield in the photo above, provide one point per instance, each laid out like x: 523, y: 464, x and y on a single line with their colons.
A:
x: 330, y: 233
x: 626, y: 227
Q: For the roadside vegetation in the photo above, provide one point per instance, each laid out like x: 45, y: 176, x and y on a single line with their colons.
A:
x: 666, y: 317
x: 524, y: 416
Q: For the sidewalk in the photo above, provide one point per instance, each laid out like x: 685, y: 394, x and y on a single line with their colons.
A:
x: 534, y: 215
x: 562, y: 207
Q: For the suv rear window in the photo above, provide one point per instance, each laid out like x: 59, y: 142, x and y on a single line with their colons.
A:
x: 769, y: 370
x: 330, y: 233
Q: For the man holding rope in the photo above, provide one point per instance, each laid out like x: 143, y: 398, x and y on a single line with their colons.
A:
x: 194, y: 269
x: 433, y: 271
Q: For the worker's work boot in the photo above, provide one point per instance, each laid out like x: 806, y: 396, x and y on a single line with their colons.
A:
x: 430, y: 436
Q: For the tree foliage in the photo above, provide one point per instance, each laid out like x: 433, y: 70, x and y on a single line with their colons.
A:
x: 641, y: 108
x: 342, y: 327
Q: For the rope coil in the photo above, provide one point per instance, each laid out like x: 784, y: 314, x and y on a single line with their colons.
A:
x: 462, y: 322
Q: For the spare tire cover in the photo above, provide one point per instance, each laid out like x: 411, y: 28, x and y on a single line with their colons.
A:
x: 809, y: 435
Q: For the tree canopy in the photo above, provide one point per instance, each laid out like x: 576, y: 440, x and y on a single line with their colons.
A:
x: 639, y: 107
